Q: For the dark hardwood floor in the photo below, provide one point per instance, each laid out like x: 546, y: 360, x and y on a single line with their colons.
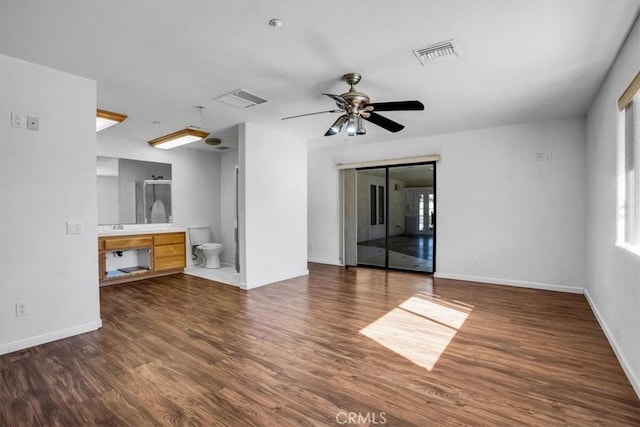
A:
x: 180, y: 350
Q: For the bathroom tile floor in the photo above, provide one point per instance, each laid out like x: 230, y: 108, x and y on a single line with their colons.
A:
x: 225, y: 274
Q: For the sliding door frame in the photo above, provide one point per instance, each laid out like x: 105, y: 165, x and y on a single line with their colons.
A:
x: 386, y: 213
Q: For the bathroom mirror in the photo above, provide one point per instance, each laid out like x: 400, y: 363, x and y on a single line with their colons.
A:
x: 133, y: 191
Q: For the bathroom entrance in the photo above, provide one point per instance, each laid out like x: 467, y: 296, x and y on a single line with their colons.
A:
x: 396, y: 210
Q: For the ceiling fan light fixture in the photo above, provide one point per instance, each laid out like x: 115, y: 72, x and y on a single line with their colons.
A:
x: 176, y: 139
x: 357, y: 106
x: 336, y: 127
x: 352, y: 127
x: 360, y: 130
x: 106, y: 119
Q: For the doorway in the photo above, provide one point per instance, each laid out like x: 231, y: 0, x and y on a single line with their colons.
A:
x: 396, y: 211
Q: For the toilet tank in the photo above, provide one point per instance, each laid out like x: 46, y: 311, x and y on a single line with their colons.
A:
x: 199, y: 235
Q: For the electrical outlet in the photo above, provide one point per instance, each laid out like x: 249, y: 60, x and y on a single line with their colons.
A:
x: 22, y: 309
x: 544, y: 156
x: 17, y: 120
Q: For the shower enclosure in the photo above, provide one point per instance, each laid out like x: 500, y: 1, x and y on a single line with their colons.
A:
x: 153, y: 201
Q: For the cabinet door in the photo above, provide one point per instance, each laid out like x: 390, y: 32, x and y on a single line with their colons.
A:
x: 102, y: 262
x: 169, y: 263
x: 168, y: 250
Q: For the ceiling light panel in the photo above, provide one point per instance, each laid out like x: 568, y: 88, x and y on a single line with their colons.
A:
x: 437, y: 52
x: 176, y: 139
x: 106, y: 119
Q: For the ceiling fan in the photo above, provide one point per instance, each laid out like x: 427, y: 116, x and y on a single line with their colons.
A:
x: 357, y: 106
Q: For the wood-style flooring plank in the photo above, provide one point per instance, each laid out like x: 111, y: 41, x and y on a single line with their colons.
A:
x: 394, y: 348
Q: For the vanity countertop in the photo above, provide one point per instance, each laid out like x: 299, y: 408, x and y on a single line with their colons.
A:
x: 133, y: 231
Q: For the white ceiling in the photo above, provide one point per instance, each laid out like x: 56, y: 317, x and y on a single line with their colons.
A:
x: 521, y: 61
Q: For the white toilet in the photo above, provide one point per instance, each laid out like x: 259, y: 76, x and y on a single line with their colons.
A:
x: 199, y: 237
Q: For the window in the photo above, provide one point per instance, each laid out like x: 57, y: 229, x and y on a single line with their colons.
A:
x: 629, y: 194
x: 432, y: 207
x: 374, y: 215
x: 421, y: 212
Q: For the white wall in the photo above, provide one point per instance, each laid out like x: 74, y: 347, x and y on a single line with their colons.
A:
x: 195, y: 179
x: 524, y: 219
x: 46, y: 179
x: 109, y: 200
x: 228, y: 163
x: 273, y: 205
x: 613, y: 273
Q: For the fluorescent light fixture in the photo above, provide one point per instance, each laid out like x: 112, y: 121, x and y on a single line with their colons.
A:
x: 176, y: 139
x: 106, y: 119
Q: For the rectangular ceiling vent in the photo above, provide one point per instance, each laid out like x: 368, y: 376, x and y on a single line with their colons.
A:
x: 437, y: 52
x: 241, y: 98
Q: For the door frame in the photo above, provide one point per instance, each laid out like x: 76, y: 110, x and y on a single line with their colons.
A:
x: 386, y: 213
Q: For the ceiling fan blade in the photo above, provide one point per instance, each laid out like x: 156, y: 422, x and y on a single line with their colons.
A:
x: 398, y: 106
x: 339, y: 100
x: 383, y: 122
x: 336, y: 127
x: 311, y: 114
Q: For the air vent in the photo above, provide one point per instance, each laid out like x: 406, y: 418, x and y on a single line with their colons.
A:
x: 438, y: 52
x: 222, y: 147
x: 241, y: 98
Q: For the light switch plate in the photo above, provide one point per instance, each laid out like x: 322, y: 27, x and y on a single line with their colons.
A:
x: 74, y: 228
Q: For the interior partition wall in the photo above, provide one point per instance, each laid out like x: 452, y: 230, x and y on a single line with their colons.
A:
x: 395, y: 216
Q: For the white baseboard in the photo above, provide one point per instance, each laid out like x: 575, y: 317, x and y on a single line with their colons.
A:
x: 49, y: 336
x: 326, y: 261
x: 517, y: 283
x: 635, y: 383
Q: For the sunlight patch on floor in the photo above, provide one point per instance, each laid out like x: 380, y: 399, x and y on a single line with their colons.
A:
x: 419, y: 329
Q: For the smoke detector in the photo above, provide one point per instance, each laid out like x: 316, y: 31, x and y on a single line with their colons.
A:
x: 437, y: 52
x: 241, y: 98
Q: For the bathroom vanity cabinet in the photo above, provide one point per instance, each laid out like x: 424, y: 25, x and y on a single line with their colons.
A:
x: 126, y: 258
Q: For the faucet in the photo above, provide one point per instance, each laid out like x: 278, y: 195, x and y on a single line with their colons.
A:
x: 117, y: 227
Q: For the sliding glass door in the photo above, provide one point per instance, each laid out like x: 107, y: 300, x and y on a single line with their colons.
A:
x: 411, y: 214
x: 396, y: 217
x: 372, y: 228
